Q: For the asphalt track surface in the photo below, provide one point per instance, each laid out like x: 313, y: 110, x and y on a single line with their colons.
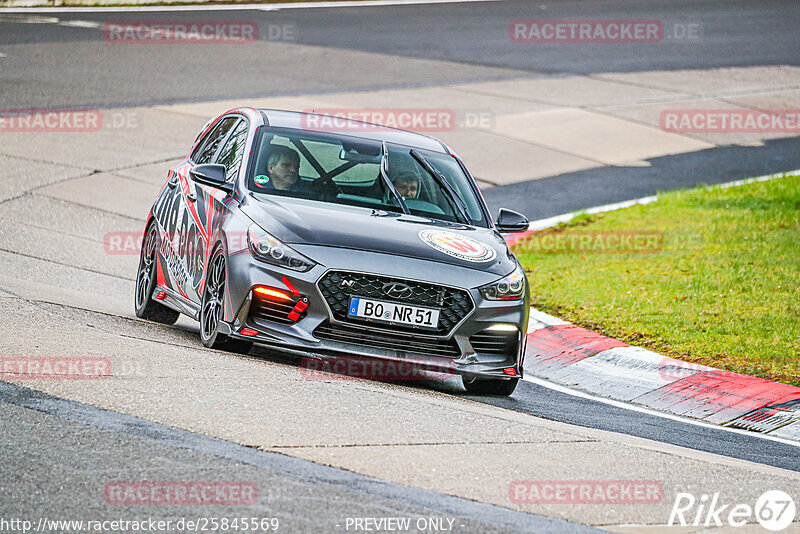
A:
x: 93, y: 444
x: 84, y: 76
x: 69, y: 66
x: 448, y: 32
x: 734, y: 33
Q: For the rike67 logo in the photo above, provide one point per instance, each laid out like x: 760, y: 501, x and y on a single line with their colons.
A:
x: 774, y: 510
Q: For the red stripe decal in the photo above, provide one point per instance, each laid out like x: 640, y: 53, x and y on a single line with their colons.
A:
x: 555, y: 347
x: 210, y: 209
x: 288, y: 284
x: 159, y: 273
x: 192, y: 208
x: 184, y: 295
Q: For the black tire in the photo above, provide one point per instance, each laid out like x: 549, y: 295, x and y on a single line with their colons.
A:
x: 498, y: 387
x: 212, y: 305
x: 146, y: 307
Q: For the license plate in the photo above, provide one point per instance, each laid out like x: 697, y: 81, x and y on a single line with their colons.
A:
x: 390, y: 312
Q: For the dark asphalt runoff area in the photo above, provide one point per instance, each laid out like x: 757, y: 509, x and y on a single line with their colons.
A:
x: 735, y: 33
x: 543, y: 402
x: 73, y: 67
x: 73, y: 451
x: 554, y: 405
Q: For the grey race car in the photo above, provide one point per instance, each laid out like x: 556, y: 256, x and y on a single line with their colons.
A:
x: 336, y: 238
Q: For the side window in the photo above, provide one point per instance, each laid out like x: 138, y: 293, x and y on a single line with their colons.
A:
x: 208, y: 148
x: 232, y: 153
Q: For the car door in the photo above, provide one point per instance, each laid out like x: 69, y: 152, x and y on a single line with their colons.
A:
x: 183, y: 232
x: 211, y: 205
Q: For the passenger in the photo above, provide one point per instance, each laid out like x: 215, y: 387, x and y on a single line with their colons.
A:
x: 407, y: 184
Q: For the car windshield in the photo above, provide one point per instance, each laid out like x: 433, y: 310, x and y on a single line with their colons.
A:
x: 345, y: 170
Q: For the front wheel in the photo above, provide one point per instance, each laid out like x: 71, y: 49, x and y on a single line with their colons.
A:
x: 212, y: 307
x: 490, y: 386
x: 146, y: 307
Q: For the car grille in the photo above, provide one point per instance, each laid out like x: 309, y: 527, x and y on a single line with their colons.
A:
x: 338, y: 286
x: 500, y: 343
x: 380, y: 338
x: 270, y: 310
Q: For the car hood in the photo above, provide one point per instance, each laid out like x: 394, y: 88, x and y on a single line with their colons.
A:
x: 298, y: 221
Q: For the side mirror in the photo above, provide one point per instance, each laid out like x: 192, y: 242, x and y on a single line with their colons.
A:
x: 212, y: 174
x: 511, y: 221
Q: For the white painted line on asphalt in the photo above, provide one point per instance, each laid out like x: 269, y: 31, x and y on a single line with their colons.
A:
x: 764, y: 178
x: 548, y: 320
x: 81, y: 24
x: 238, y: 7
x: 53, y: 20
x: 30, y: 19
x: 639, y: 409
x: 2, y: 54
x: 541, y: 224
x: 535, y: 326
x: 538, y: 320
x: 365, y: 3
x: 621, y: 205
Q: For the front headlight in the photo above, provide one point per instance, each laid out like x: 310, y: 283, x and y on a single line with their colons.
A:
x: 512, y: 287
x: 268, y: 248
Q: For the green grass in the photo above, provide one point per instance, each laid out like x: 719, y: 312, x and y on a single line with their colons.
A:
x: 722, y: 288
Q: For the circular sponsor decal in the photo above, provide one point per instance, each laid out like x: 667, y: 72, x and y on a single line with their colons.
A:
x: 261, y: 179
x: 458, y: 246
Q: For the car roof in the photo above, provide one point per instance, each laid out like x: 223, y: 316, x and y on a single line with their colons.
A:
x: 352, y: 128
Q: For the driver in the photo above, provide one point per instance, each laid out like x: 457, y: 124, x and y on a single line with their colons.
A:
x: 407, y: 184
x: 283, y: 170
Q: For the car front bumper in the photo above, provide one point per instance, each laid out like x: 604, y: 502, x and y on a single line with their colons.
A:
x: 488, y: 342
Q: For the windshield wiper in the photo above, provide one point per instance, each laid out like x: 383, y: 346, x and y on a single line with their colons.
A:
x: 440, y: 179
x: 388, y: 182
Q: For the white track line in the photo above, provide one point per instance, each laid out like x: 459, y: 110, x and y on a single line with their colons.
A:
x: 238, y: 7
x: 541, y: 224
x: 640, y: 409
